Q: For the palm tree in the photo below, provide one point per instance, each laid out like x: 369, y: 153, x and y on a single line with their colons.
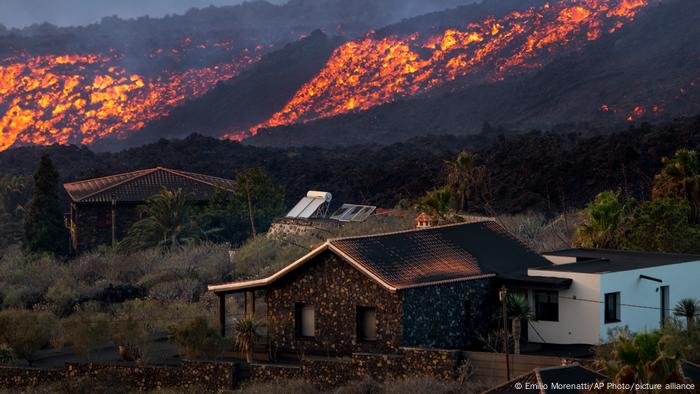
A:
x: 166, y: 223
x: 680, y: 179
x: 461, y: 174
x: 688, y: 308
x: 519, y: 311
x: 602, y: 219
x: 643, y: 359
x: 438, y: 203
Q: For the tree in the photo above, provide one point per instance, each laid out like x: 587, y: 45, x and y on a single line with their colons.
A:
x: 14, y: 195
x: 660, y: 226
x: 257, y: 198
x: 166, y: 223
x: 460, y: 174
x: 689, y: 308
x: 602, y: 218
x: 44, y: 227
x: 438, y: 203
x: 679, y: 179
x: 643, y: 359
x: 519, y: 311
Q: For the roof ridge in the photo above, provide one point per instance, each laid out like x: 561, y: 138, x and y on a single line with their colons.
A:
x: 145, y: 172
x: 107, y: 176
x: 412, y: 230
x: 189, y: 175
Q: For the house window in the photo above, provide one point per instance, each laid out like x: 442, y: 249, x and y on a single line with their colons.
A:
x: 304, y: 320
x: 547, y: 305
x: 612, y: 307
x: 366, y: 323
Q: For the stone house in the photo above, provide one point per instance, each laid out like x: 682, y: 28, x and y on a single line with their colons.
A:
x: 103, y: 209
x: 428, y: 288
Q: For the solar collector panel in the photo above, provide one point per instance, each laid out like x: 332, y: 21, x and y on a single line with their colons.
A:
x: 311, y: 209
x: 300, y: 207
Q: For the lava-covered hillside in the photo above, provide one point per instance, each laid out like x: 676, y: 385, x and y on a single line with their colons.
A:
x: 648, y: 70
x: 83, y: 84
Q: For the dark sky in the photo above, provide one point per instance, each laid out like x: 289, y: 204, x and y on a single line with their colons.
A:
x: 20, y: 13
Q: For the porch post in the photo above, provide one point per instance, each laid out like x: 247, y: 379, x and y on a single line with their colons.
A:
x: 250, y: 304
x: 222, y: 313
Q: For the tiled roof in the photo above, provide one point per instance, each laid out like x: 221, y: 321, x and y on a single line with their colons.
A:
x: 423, y: 257
x: 137, y: 186
x: 441, y: 254
x: 544, y: 378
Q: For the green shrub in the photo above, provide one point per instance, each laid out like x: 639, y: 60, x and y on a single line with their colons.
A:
x: 87, y: 331
x: 7, y: 355
x: 62, y: 296
x: 136, y: 324
x: 26, y: 331
x: 198, y: 339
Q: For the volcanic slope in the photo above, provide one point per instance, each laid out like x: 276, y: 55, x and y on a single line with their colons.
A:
x: 83, y: 84
x: 242, y: 101
x: 649, y: 70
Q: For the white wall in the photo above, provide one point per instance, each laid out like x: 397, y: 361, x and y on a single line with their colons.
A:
x: 579, y: 321
x: 582, y: 321
x: 683, y: 281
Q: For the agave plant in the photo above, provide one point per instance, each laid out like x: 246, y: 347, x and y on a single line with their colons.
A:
x: 688, y: 308
x: 246, y: 332
x: 518, y: 311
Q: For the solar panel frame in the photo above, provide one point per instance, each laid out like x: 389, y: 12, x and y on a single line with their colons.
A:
x: 311, y: 209
x: 353, y: 213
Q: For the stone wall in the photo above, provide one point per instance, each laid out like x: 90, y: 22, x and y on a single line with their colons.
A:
x: 213, y: 376
x: 286, y: 227
x: 29, y: 377
x: 335, y: 289
x: 93, y: 225
x: 333, y: 372
x: 448, y: 316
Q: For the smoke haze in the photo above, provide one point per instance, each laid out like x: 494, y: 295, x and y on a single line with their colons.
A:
x: 21, y: 13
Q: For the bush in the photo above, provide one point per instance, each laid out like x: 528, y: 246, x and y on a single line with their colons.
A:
x: 198, y: 339
x: 87, y: 331
x: 26, y: 331
x: 7, y: 356
x: 136, y: 324
x: 62, y: 296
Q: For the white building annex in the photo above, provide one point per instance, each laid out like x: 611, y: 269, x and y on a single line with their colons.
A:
x: 609, y: 289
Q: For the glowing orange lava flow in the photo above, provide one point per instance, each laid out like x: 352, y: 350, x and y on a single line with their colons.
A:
x: 372, y: 71
x: 82, y: 98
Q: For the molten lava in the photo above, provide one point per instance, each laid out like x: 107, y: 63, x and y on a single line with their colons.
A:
x: 376, y: 70
x: 83, y: 98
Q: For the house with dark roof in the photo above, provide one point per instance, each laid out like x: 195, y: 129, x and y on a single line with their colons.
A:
x: 572, y: 379
x: 103, y: 209
x: 429, y: 288
x: 609, y: 289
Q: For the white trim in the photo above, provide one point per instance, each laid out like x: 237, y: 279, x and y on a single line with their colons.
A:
x: 265, y: 281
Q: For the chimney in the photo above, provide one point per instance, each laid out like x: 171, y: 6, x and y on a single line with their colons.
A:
x: 424, y: 220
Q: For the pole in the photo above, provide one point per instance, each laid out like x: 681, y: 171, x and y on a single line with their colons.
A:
x: 502, y: 295
x: 114, y: 222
